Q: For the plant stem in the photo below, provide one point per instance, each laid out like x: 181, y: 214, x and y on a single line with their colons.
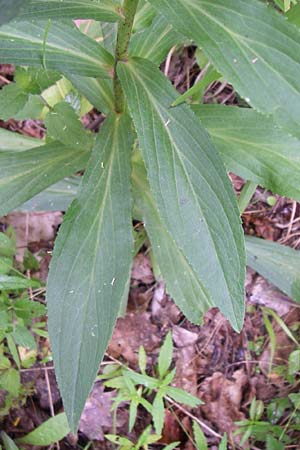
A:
x: 123, y: 38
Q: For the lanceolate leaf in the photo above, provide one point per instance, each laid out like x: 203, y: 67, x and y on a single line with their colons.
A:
x: 98, y: 91
x: 55, y: 198
x: 181, y: 280
x: 10, y: 8
x: 278, y: 263
x: 10, y: 141
x: 58, y: 46
x: 252, y: 45
x: 91, y: 265
x: 190, y: 186
x: 25, y: 174
x: 154, y: 42
x: 64, y: 125
x: 51, y: 431
x: 252, y: 146
x: 105, y: 10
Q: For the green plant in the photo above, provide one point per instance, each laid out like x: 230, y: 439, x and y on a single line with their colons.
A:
x: 174, y: 180
x: 281, y: 418
x: 18, y: 312
x: 133, y: 387
x: 145, y: 439
x: 49, y: 432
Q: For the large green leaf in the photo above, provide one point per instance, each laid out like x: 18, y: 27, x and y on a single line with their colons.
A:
x: 10, y: 141
x: 64, y: 125
x: 57, y: 197
x: 181, y: 280
x: 10, y: 8
x: 56, y: 45
x: 17, y: 104
x: 25, y: 174
x: 252, y: 146
x: 91, y: 265
x: 51, y: 431
x: 154, y: 42
x: 105, y: 10
x: 252, y: 45
x: 98, y: 91
x: 190, y: 187
x: 278, y: 263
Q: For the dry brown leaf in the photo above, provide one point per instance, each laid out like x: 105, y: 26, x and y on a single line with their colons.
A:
x: 132, y: 332
x: 186, y: 373
x: 97, y: 417
x: 223, y: 399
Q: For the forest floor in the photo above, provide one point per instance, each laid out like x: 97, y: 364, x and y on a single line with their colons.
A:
x: 225, y: 369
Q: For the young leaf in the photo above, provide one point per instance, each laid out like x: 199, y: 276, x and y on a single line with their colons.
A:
x: 294, y: 362
x: 182, y: 282
x: 253, y: 147
x: 154, y: 42
x: 64, y: 125
x: 25, y: 174
x: 10, y: 381
x: 65, y: 48
x: 12, y: 283
x: 51, y: 431
x: 165, y: 356
x: 90, y: 266
x: 172, y: 446
x: 278, y: 263
x: 158, y: 412
x: 200, y: 439
x: 252, y: 45
x: 7, y: 441
x: 17, y: 104
x: 223, y: 443
x: 190, y: 186
x: 106, y: 10
x: 181, y: 396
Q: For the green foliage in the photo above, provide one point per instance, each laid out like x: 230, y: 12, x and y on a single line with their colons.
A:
x: 138, y: 388
x: 50, y: 432
x: 18, y: 324
x: 178, y: 185
x: 10, y: 9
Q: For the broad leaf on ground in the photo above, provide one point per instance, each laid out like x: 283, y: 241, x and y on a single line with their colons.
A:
x: 190, y: 187
x: 91, y: 265
x: 254, y: 147
x: 51, y: 431
x: 253, y: 46
x: 278, y: 263
x: 106, y: 10
x: 25, y: 174
x: 55, y: 46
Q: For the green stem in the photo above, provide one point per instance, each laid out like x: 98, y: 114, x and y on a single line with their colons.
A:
x: 123, y: 38
x: 246, y: 194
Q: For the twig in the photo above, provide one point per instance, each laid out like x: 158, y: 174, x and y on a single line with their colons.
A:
x: 199, y: 421
x: 168, y: 60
